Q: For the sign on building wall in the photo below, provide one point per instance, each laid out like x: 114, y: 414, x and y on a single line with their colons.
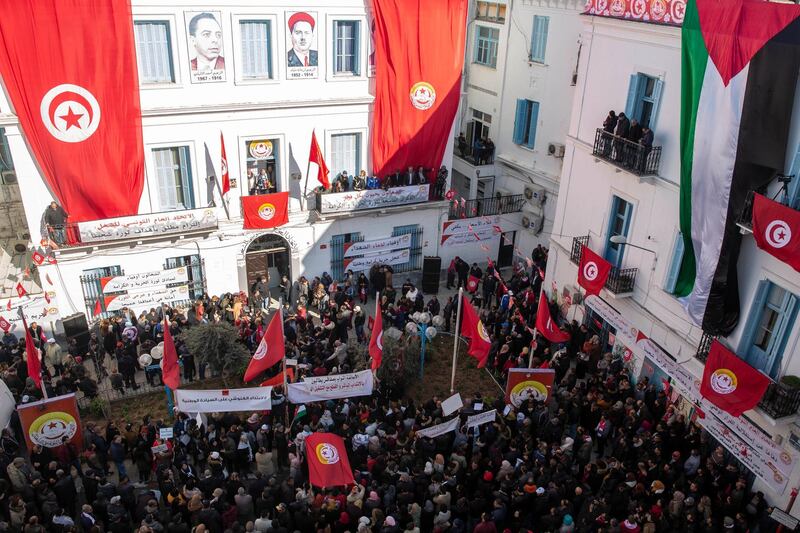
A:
x: 353, y: 249
x: 36, y: 308
x: 302, y: 58
x: 458, y: 232
x: 372, y: 199
x: 144, y: 280
x: 155, y: 224
x: 143, y: 300
x: 204, y: 42
x: 359, y: 264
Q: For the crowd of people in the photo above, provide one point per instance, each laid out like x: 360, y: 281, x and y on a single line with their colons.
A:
x: 344, y: 182
x: 602, y: 454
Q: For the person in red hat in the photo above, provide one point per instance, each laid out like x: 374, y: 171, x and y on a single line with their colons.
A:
x: 301, y: 29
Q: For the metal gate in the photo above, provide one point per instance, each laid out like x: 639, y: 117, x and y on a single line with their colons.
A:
x: 337, y: 252
x: 93, y: 291
x: 195, y: 267
x: 415, y: 252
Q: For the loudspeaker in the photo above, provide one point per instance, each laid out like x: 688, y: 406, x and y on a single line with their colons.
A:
x: 75, y: 327
x: 431, y: 270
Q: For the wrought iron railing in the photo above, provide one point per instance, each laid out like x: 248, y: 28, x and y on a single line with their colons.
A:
x: 619, y: 281
x: 486, y: 206
x: 624, y: 153
x: 746, y: 216
x: 476, y: 157
x: 704, y: 347
x: 780, y: 400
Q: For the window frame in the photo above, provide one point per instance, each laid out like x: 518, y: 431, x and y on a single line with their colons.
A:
x: 194, y: 188
x: 674, y: 266
x: 359, y: 158
x: 525, y: 136
x: 175, y: 57
x: 281, y: 185
x: 238, y: 48
x: 362, y: 156
x: 536, y: 55
x: 329, y: 41
x: 356, y: 71
x: 610, y: 254
x: 635, y: 100
x: 496, y: 6
x: 492, y: 47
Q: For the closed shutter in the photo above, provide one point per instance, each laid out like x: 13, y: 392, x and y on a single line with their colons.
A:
x: 256, y: 53
x: 153, y: 52
x: 534, y: 121
x: 519, y: 121
x: 633, y: 91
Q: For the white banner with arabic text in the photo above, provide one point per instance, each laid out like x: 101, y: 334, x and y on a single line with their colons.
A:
x: 359, y: 264
x: 352, y: 249
x: 146, y: 299
x: 223, y: 400
x: 331, y: 387
x: 144, y: 280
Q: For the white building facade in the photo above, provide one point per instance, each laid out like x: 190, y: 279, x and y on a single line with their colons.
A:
x: 266, y: 116
x: 635, y: 68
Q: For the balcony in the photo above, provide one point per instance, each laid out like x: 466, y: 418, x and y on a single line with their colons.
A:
x: 331, y: 203
x: 626, y: 154
x: 471, y: 155
x: 745, y: 220
x: 620, y: 281
x: 480, y: 207
x: 780, y: 400
x: 704, y: 347
x: 136, y: 227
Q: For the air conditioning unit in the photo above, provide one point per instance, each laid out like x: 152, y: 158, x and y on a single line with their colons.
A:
x: 532, y: 221
x: 9, y: 176
x: 536, y: 195
x: 555, y: 149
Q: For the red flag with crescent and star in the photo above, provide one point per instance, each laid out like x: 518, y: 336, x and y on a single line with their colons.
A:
x: 730, y: 383
x: 328, y: 465
x: 776, y: 228
x: 315, y: 156
x: 270, y: 350
x: 70, y: 72
x: 376, y: 338
x: 170, y: 371
x: 593, y: 271
x: 226, y: 178
x: 545, y: 323
x: 473, y: 329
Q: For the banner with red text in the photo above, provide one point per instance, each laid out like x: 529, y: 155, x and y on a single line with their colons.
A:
x: 419, y: 56
x: 69, y: 68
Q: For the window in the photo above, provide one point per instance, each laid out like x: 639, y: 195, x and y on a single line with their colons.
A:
x: 525, y: 123
x: 415, y: 251
x: 256, y: 36
x: 644, y: 93
x: 154, y: 52
x: 194, y: 271
x: 486, y: 46
x: 337, y: 252
x: 674, y: 268
x: 791, y: 196
x: 346, y: 153
x: 93, y: 290
x: 771, y: 318
x: 263, y: 165
x: 619, y: 223
x: 174, y: 173
x: 346, y: 46
x: 539, y: 38
x: 491, y: 11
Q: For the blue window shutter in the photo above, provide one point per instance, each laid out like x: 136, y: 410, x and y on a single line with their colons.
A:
x: 782, y: 328
x: 754, y: 316
x: 674, y: 264
x: 792, y: 198
x: 533, y: 124
x: 186, y: 175
x: 539, y: 38
x: 519, y: 122
x: 633, y: 90
x: 658, y: 89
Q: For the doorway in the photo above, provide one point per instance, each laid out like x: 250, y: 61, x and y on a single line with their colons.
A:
x: 267, y: 255
x: 505, y: 257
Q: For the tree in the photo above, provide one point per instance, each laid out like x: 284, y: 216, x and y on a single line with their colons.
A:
x: 218, y: 346
x: 400, y: 364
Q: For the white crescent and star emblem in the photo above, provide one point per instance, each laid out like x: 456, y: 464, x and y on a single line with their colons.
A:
x: 379, y: 341
x: 224, y: 166
x: 778, y: 234
x: 590, y: 271
x: 260, y: 353
x: 70, y: 113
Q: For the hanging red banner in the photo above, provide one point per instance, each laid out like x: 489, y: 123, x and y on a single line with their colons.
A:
x: 69, y: 68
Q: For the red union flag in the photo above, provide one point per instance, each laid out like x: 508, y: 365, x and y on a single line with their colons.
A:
x: 472, y: 283
x: 37, y: 257
x: 419, y: 55
x: 70, y: 71
x: 5, y: 325
x: 328, y: 465
x: 20, y: 290
x: 730, y: 383
x: 776, y: 228
x: 593, y: 271
x: 265, y: 210
x: 546, y: 325
x: 270, y: 350
x: 376, y: 338
x: 472, y: 328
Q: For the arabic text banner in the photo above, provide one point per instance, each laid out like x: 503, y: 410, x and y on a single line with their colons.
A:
x: 439, y: 429
x: 37, y: 309
x: 146, y: 299
x: 111, y: 229
x: 353, y: 249
x: 144, y: 280
x: 331, y: 387
x: 359, y: 264
x: 223, y: 400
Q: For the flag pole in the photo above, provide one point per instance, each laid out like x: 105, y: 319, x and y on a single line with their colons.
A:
x: 285, y: 386
x: 304, y: 196
x: 455, y: 341
x: 43, y: 388
x: 222, y: 198
x: 530, y: 354
x: 167, y: 391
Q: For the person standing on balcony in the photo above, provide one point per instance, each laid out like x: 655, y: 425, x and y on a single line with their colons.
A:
x: 647, y: 142
x: 461, y: 142
x: 422, y: 179
x: 360, y: 181
x: 609, y: 125
x: 488, y: 151
x: 56, y: 219
x: 623, y: 129
x: 410, y: 177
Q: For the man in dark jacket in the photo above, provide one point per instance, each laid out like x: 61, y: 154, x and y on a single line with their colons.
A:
x: 623, y: 129
x: 56, y: 219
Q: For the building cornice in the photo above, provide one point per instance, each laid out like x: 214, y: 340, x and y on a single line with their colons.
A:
x: 568, y: 5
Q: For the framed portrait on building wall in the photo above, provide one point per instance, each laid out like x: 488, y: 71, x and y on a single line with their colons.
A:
x: 204, y: 42
x: 302, y: 57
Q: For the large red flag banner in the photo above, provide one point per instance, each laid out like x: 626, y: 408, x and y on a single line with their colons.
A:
x: 269, y: 351
x: 48, y: 422
x: 265, y: 210
x: 69, y: 67
x: 328, y: 465
x: 529, y: 383
x: 376, y: 338
x: 593, y: 271
x: 730, y: 383
x: 545, y: 323
x: 419, y: 54
x: 170, y: 370
x: 473, y: 329
x: 776, y: 228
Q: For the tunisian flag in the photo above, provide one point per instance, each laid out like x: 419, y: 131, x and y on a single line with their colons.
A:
x: 226, y: 178
x: 419, y: 56
x: 32, y: 354
x: 545, y: 323
x: 69, y: 68
x: 472, y: 328
x: 270, y: 350
x: 472, y: 283
x: 776, y: 228
x: 265, y: 210
x: 328, y: 465
x: 593, y: 271
x: 376, y: 338
x: 315, y: 156
x: 170, y: 371
x: 730, y: 383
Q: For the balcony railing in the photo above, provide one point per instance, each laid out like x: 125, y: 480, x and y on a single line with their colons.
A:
x: 474, y: 156
x: 345, y: 202
x: 704, y: 347
x: 633, y: 157
x: 486, y: 206
x: 780, y: 400
x: 620, y: 280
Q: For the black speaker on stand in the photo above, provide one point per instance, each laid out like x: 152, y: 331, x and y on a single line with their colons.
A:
x: 431, y: 270
x: 75, y: 327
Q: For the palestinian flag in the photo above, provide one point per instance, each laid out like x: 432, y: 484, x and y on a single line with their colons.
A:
x: 739, y: 69
x: 299, y: 413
